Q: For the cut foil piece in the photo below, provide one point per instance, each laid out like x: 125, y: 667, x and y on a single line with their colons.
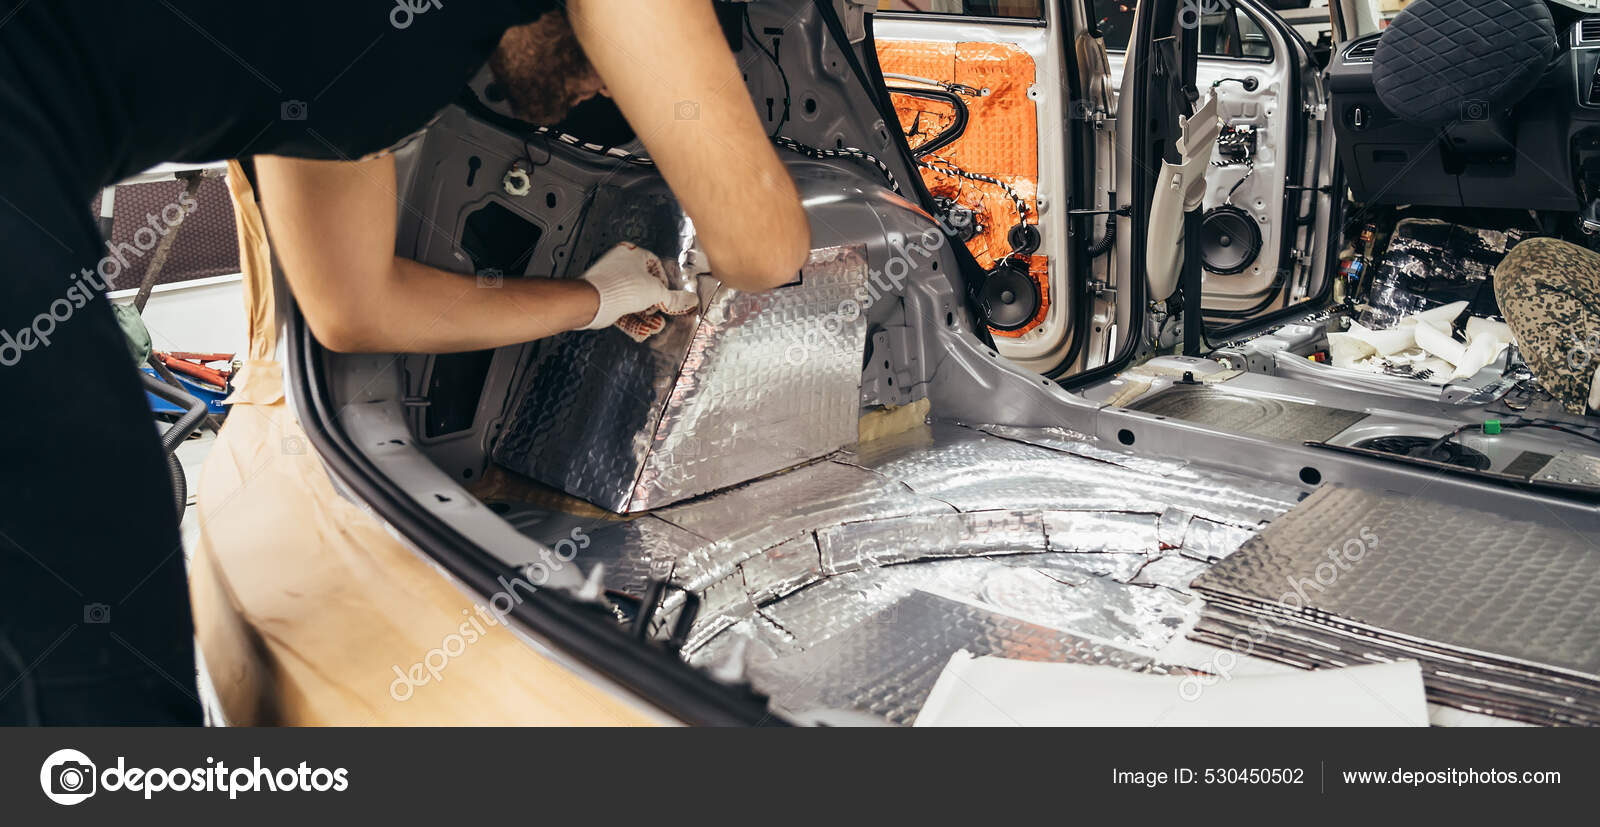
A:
x: 1095, y: 606
x: 1102, y: 531
x: 874, y: 543
x: 1211, y: 541
x: 782, y: 570
x: 888, y: 664
x: 1172, y: 572
x: 742, y: 522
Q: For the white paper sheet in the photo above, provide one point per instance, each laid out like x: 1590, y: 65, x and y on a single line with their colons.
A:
x: 1000, y: 692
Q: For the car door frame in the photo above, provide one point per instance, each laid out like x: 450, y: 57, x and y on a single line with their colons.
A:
x: 1072, y: 184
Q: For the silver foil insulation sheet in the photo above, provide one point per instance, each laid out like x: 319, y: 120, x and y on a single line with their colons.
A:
x: 899, y: 552
x: 1503, y: 615
x: 752, y: 384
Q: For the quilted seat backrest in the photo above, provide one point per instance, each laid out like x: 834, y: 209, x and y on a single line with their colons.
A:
x: 1446, y: 61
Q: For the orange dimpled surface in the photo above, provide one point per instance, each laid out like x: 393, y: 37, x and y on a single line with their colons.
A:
x: 1001, y: 139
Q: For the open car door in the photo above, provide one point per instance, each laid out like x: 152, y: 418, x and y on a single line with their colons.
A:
x: 998, y: 104
x: 1263, y: 231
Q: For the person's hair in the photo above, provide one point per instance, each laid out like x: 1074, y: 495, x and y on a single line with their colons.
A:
x: 543, y: 69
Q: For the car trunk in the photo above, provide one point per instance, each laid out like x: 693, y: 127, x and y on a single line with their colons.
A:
x: 966, y: 504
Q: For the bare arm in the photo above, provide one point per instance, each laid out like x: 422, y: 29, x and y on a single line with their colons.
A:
x: 663, y: 60
x: 333, y: 226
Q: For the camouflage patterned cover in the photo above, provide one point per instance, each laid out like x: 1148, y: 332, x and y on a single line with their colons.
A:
x: 1549, y: 291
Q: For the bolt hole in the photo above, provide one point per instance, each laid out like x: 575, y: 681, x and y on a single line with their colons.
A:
x: 1310, y: 476
x: 1125, y: 436
x: 811, y: 106
x: 950, y: 320
x: 550, y: 200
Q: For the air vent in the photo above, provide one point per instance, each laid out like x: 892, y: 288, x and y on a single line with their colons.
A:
x: 1362, y: 52
x: 1587, y: 33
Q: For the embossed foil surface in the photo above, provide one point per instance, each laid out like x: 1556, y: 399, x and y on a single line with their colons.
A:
x: 1084, y: 551
x: 1501, y: 613
x: 754, y: 383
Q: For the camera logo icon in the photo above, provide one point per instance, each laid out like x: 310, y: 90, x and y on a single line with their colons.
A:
x: 687, y: 111
x: 67, y: 777
x: 1474, y: 110
x: 293, y: 110
x: 491, y: 278
x: 96, y: 613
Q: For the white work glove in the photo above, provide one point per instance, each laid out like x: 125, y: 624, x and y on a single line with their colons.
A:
x: 632, y: 284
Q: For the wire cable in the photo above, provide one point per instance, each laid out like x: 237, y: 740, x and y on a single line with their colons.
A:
x: 782, y: 75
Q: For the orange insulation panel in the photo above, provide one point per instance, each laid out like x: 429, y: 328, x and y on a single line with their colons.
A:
x: 1001, y: 139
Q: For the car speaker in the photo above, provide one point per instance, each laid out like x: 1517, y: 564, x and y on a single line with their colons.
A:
x: 1230, y: 240
x: 1010, y: 296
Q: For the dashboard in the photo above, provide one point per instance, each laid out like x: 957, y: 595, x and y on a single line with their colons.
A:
x: 1537, y: 155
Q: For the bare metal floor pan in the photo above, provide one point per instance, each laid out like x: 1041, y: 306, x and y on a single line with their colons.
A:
x: 1262, y: 416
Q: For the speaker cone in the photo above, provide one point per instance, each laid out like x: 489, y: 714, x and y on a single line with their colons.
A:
x: 1010, y: 296
x: 1230, y: 240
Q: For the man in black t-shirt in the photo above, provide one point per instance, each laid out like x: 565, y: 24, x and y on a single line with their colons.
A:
x: 94, y: 620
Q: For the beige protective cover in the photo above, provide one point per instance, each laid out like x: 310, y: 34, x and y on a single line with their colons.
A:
x: 307, y: 610
x: 1179, y: 188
